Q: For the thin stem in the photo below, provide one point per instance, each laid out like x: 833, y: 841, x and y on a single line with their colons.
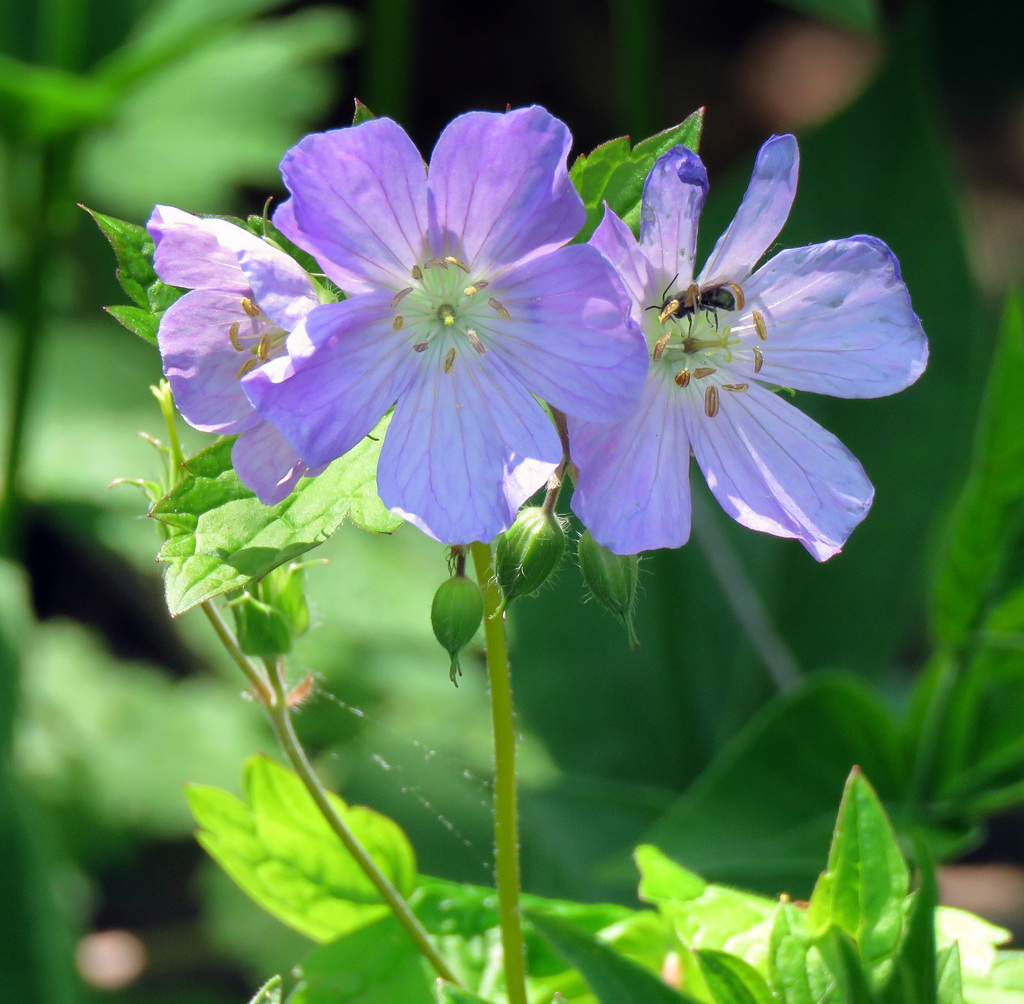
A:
x: 506, y: 810
x: 256, y: 677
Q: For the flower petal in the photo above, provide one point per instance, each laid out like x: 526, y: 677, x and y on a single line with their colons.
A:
x: 570, y: 338
x: 838, y: 320
x: 460, y: 444
x: 198, y: 253
x: 358, y: 205
x: 674, y: 194
x: 279, y: 284
x: 633, y: 490
x: 266, y: 464
x: 775, y: 470
x: 499, y: 188
x: 344, y: 369
x: 616, y: 242
x: 201, y: 363
x: 761, y: 216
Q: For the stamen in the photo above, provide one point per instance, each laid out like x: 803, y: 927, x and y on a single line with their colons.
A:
x: 703, y: 371
x: 500, y: 308
x: 692, y: 296
x: 416, y: 272
x: 449, y: 361
x: 683, y: 378
x: 420, y: 347
x: 250, y: 364
x: 758, y: 360
x: 476, y: 287
x: 659, y: 346
x: 249, y: 307
x: 669, y: 309
x: 233, y: 336
x: 759, y: 326
x: 455, y: 261
x: 435, y: 263
x: 263, y: 348
x: 400, y: 296
x: 737, y: 387
x: 738, y: 293
x: 396, y: 324
x: 711, y: 401
x: 474, y: 340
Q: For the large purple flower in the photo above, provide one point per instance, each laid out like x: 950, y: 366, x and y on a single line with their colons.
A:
x: 833, y: 318
x: 245, y: 296
x: 464, y: 308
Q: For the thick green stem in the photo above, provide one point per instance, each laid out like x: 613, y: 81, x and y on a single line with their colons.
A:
x: 506, y: 809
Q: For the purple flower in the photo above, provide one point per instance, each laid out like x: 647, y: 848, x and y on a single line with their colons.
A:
x: 833, y: 318
x: 464, y: 309
x: 245, y: 296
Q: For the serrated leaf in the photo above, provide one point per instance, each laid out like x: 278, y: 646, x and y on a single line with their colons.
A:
x: 731, y: 980
x: 280, y: 851
x: 613, y: 978
x: 376, y: 965
x: 138, y: 321
x: 988, y: 508
x: 226, y: 536
x: 615, y: 174
x: 860, y: 15
x: 269, y: 993
x: 867, y: 881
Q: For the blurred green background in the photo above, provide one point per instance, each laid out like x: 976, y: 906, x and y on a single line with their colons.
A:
x: 762, y: 676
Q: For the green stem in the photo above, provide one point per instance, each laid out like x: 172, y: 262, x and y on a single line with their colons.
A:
x: 506, y: 810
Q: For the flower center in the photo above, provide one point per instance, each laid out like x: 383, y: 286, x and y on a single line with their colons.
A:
x: 257, y: 336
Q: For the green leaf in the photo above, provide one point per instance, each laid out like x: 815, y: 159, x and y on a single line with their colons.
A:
x: 226, y: 536
x: 796, y: 969
x: 840, y: 954
x: 731, y: 980
x: 376, y: 965
x: 613, y: 978
x: 914, y: 979
x: 448, y: 994
x: 615, y: 174
x: 1002, y: 984
x: 950, y: 986
x: 269, y: 993
x: 867, y: 881
x: 988, y: 509
x: 362, y: 114
x: 860, y: 15
x: 138, y: 321
x: 281, y: 852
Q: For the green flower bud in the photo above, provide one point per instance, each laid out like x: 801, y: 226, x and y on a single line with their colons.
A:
x: 455, y: 615
x: 271, y: 613
x: 528, y: 552
x: 612, y: 580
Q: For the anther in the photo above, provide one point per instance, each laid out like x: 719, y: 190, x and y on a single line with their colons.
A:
x: 703, y: 371
x: 249, y: 307
x: 475, y: 288
x: 250, y: 364
x: 683, y: 378
x: 737, y: 387
x: 416, y: 272
x: 500, y: 308
x: 400, y: 296
x: 446, y: 313
x: 420, y: 347
x: 456, y: 262
x: 758, y: 360
x: 449, y: 361
x: 711, y: 401
x: 474, y: 340
x: 759, y: 326
x: 263, y: 348
x: 669, y: 309
x: 435, y: 263
x: 659, y: 346
x: 738, y: 293
x: 233, y: 335
x: 397, y: 323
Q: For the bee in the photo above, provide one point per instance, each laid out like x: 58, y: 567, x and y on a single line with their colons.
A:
x: 710, y: 299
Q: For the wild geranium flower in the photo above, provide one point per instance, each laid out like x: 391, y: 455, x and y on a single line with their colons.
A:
x: 833, y: 318
x: 245, y: 296
x: 464, y: 307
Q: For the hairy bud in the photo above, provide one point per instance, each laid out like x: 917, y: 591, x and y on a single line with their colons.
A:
x: 528, y: 552
x: 611, y: 579
x: 455, y: 615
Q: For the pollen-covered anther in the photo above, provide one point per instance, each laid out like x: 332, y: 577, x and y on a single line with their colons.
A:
x: 659, y: 346
x: 759, y: 326
x: 500, y: 308
x: 758, y: 360
x: 446, y: 314
x: 738, y: 293
x: 711, y: 401
x: 435, y: 263
x: 457, y: 263
x: 683, y: 378
x: 249, y: 307
x: 416, y: 272
x: 703, y: 371
x: 474, y: 340
x: 250, y: 364
x: 400, y: 296
x: 397, y: 323
x: 449, y: 361
x: 475, y: 287
x: 263, y: 348
x: 233, y: 336
x: 736, y: 387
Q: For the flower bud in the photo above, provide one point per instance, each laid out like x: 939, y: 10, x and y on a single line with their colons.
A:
x: 270, y: 613
x: 455, y: 615
x: 528, y: 552
x: 611, y: 579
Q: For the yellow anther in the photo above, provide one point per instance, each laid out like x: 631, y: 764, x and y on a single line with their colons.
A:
x: 703, y: 371
x: 738, y: 293
x: 249, y: 307
x: 397, y: 323
x: 683, y: 378
x: 459, y: 264
x: 250, y: 364
x: 263, y: 348
x: 737, y: 387
x: 711, y: 401
x: 669, y: 309
x: 500, y: 308
x: 233, y: 336
x: 449, y: 361
x: 476, y: 287
x: 659, y: 346
x: 759, y: 326
x: 400, y: 296
x: 758, y: 360
x: 416, y: 272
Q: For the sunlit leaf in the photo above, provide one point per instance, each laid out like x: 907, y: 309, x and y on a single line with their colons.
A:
x: 733, y: 981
